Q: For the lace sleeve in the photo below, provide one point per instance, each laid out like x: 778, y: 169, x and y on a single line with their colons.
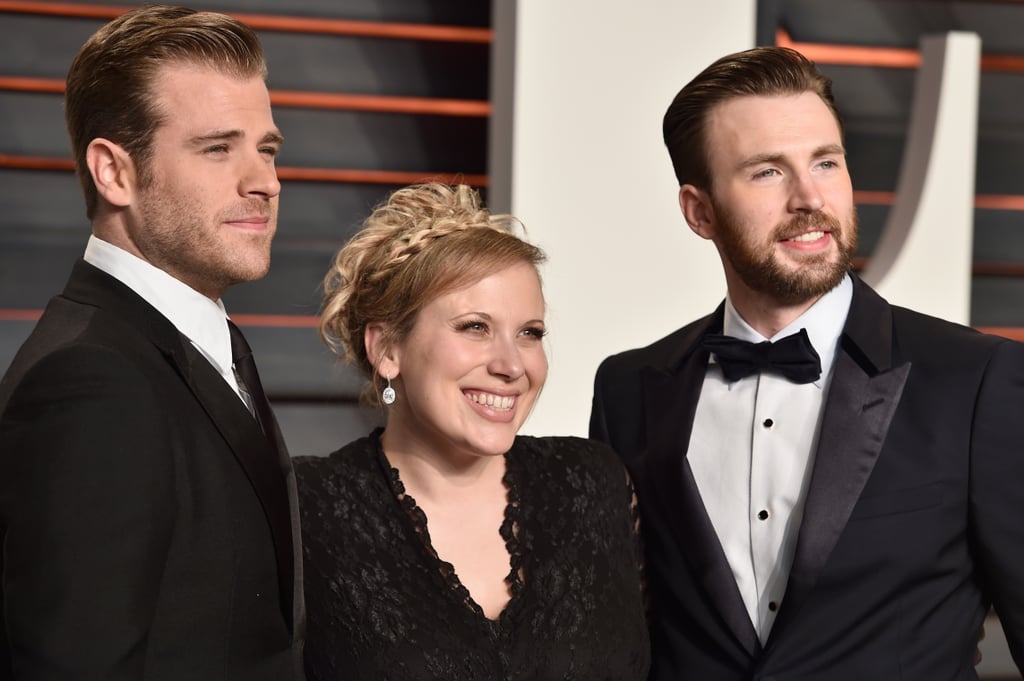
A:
x: 638, y: 541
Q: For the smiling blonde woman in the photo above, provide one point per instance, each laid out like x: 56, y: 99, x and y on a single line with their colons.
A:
x: 445, y: 546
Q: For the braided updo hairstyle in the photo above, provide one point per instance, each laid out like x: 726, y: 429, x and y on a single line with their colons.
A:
x: 423, y: 242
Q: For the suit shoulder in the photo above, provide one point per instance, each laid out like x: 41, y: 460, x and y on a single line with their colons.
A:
x: 911, y: 326
x: 80, y: 337
x: 77, y: 373
x: 660, y: 351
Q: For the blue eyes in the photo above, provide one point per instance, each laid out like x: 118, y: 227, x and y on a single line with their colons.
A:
x: 827, y: 164
x: 534, y: 332
x: 219, y: 149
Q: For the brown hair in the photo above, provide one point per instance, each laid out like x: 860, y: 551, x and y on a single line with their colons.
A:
x: 422, y: 242
x: 109, y: 91
x: 759, y: 71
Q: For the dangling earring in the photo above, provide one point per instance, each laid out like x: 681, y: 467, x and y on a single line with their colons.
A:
x: 388, y: 394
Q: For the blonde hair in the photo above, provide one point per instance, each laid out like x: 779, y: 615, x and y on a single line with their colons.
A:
x: 422, y: 242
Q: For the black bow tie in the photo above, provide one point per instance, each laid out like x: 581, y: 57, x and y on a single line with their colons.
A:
x: 793, y: 357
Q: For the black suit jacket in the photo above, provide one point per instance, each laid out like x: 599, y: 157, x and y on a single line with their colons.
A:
x: 912, y: 526
x: 147, y: 527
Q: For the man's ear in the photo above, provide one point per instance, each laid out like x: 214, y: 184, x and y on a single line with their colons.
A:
x: 697, y: 209
x: 113, y: 172
x: 384, y: 360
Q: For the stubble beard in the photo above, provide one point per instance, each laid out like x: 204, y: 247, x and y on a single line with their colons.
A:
x: 183, y: 244
x: 761, y: 269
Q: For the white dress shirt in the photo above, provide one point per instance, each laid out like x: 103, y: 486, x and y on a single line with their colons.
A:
x: 201, y: 320
x: 752, y: 451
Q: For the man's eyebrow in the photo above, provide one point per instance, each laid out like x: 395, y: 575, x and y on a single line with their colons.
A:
x: 273, y: 138
x: 775, y: 157
x: 830, y: 149
x: 757, y: 159
x: 216, y: 136
x: 225, y: 135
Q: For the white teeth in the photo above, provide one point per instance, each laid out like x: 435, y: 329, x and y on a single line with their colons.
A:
x: 810, y: 236
x: 501, y: 403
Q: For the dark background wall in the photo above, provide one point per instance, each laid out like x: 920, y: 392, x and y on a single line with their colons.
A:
x: 371, y: 96
x: 363, y: 110
x: 875, y: 100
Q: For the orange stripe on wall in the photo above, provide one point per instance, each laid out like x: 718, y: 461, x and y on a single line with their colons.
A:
x: 390, y: 177
x: 982, y: 201
x: 369, y: 29
x: 21, y: 84
x: 20, y: 315
x: 310, y: 100
x: 36, y: 162
x: 1012, y: 332
x: 383, y: 104
x: 886, y: 57
x: 341, y: 175
x: 277, y: 321
x: 852, y: 55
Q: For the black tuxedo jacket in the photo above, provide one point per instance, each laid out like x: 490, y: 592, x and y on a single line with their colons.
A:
x: 148, y: 531
x: 913, y: 522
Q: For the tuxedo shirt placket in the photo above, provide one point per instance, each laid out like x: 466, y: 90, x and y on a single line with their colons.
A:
x: 784, y: 438
x: 751, y: 452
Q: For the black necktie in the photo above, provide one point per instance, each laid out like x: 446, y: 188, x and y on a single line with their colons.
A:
x: 248, y: 378
x: 793, y: 357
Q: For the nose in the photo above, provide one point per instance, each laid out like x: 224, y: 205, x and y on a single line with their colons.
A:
x: 259, y: 178
x: 806, y: 197
x: 507, y: 361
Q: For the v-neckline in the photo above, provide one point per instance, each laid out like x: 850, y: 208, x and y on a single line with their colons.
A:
x: 511, y: 531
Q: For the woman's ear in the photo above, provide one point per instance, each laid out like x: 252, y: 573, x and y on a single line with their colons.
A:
x: 697, y: 209
x: 113, y: 172
x: 382, y: 358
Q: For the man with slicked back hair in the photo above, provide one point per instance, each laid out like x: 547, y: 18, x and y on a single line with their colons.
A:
x: 147, y: 501
x: 828, y: 483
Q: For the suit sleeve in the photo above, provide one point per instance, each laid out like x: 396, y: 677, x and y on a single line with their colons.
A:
x: 86, y: 496
x: 997, y: 486
x: 598, y: 421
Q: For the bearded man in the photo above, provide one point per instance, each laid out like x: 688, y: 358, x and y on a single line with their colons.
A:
x: 826, y: 481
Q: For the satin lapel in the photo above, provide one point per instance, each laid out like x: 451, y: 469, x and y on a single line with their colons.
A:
x: 863, y: 397
x: 672, y: 398
x: 288, y: 472
x: 259, y: 458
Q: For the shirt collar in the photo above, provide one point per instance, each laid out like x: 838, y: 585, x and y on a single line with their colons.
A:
x: 198, y: 318
x: 824, y: 322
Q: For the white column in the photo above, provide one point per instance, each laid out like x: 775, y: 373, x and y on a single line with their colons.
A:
x: 579, y: 90
x: 923, y: 260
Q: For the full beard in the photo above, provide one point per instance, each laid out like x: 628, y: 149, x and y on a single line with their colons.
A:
x: 759, y: 266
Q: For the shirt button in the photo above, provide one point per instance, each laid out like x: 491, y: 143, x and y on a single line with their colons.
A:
x: 773, y: 606
x: 768, y: 423
x: 762, y: 515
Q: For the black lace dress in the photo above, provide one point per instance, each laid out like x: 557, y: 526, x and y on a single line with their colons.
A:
x: 381, y: 604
